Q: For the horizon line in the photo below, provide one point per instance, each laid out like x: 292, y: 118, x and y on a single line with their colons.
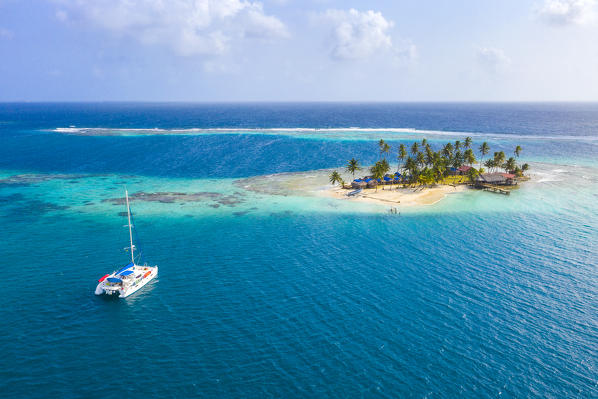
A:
x: 299, y: 102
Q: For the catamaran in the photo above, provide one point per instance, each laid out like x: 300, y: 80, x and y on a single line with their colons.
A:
x: 130, y: 278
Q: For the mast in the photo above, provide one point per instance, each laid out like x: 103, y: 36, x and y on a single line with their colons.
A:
x: 130, y: 231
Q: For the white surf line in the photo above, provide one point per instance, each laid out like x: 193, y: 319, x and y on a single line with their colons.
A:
x: 312, y: 132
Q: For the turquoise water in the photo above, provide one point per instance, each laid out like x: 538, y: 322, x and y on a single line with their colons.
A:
x: 278, y: 292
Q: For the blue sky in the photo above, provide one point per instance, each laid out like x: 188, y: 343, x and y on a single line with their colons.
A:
x: 291, y: 50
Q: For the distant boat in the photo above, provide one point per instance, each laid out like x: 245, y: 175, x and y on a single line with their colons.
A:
x: 130, y: 278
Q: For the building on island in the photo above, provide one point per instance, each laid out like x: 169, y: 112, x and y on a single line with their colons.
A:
x: 358, y: 183
x: 463, y: 169
x: 497, y: 179
x: 372, y: 183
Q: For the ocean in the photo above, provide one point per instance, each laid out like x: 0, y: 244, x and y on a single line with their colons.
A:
x: 272, y: 293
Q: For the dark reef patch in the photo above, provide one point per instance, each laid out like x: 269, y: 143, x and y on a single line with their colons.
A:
x: 32, y: 178
x: 216, y: 199
x: 33, y: 209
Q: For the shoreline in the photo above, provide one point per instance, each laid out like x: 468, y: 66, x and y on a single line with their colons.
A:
x: 315, y: 184
x: 403, y: 197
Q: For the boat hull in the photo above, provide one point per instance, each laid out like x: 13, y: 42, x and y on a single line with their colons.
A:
x: 123, y: 291
x: 130, y: 291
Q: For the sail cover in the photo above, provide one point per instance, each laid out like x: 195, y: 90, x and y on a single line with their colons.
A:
x: 126, y: 273
x: 130, y: 265
x: 114, y: 280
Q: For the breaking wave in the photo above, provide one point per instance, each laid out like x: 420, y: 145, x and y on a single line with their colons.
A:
x: 350, y: 133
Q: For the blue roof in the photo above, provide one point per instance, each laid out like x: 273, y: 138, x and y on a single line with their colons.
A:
x: 387, y: 178
x: 379, y: 180
x: 114, y: 280
x: 368, y: 180
x: 126, y: 273
x: 357, y: 180
x: 130, y: 265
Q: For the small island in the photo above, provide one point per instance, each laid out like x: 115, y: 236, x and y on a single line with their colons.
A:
x: 424, y: 175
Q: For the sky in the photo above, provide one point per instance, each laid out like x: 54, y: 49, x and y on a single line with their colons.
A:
x: 292, y: 50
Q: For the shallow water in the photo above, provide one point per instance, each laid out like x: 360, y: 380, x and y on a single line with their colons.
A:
x: 272, y: 292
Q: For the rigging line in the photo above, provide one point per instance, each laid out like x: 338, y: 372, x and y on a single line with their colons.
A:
x: 139, y: 245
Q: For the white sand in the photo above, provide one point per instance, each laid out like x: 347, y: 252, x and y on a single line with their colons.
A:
x: 315, y: 184
x: 396, y: 197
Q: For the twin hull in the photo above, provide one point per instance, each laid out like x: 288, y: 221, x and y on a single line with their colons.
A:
x: 123, y: 292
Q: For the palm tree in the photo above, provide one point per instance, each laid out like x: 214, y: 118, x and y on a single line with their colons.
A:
x: 428, y: 176
x: 499, y: 159
x: 385, y: 166
x: 458, y: 160
x: 424, y: 142
x: 525, y: 167
x: 377, y: 171
x: 447, y: 150
x: 381, y: 145
x: 385, y: 149
x: 490, y: 164
x: 467, y: 142
x: 472, y: 174
x: 429, y: 155
x: 518, y: 150
x: 457, y: 145
x: 510, y: 165
x: 411, y: 166
x: 484, y: 149
x: 402, y: 153
x: 469, y: 156
x: 353, y: 166
x: 335, y: 177
x: 414, y: 148
x: 439, y: 170
x: 420, y: 159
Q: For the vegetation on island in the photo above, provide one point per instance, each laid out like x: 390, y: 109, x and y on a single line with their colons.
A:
x: 422, y: 164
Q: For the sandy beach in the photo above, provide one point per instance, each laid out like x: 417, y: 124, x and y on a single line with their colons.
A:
x: 315, y: 184
x: 396, y: 197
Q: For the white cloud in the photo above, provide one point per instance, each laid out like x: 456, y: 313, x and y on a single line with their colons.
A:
x: 493, y: 59
x: 189, y: 27
x: 567, y: 12
x: 358, y: 35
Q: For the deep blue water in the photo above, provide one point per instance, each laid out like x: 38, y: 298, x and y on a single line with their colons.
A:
x: 474, y: 303
x: 577, y: 119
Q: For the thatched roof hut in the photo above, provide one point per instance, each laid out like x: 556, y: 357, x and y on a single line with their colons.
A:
x: 372, y: 183
x: 358, y: 183
x: 500, y: 179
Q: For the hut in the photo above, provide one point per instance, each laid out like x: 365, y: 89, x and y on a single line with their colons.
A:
x: 358, y: 183
x: 463, y: 169
x: 497, y: 179
x: 371, y: 183
x: 388, y: 179
x: 453, y: 171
